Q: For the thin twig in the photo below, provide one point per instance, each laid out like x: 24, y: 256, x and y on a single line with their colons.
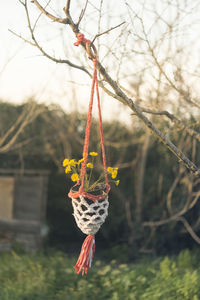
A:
x: 52, y: 17
x: 107, y: 31
x: 189, y: 229
x: 82, y: 13
x: 61, y: 61
x: 67, y: 8
x: 22, y: 38
x: 129, y: 102
x: 174, y: 217
x: 28, y: 115
x: 174, y: 119
x: 21, y: 2
x: 36, y: 44
x: 180, y: 91
x: 172, y: 189
x: 34, y: 26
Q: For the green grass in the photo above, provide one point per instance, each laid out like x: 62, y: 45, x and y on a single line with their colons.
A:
x: 46, y: 277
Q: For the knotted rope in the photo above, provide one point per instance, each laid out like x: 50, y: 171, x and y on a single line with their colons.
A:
x: 95, y: 221
x: 91, y: 50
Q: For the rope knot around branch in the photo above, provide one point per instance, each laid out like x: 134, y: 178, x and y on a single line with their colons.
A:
x: 89, y: 46
x: 81, y: 39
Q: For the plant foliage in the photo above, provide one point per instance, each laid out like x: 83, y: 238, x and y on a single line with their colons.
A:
x: 52, y: 277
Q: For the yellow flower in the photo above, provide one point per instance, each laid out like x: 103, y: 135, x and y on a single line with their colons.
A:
x: 80, y: 161
x: 93, y: 153
x: 68, y: 169
x: 74, y: 177
x: 117, y: 182
x: 65, y: 162
x: 90, y: 165
x: 114, y: 174
x: 110, y: 170
x: 72, y: 162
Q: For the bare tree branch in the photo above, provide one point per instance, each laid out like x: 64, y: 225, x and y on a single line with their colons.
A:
x: 174, y: 217
x: 34, y: 26
x: 82, y: 13
x: 174, y: 119
x: 127, y: 101
x: 67, y: 8
x: 189, y: 229
x: 22, y: 38
x: 172, y: 189
x: 8, y: 141
x: 180, y: 91
x: 50, y: 16
x: 36, y: 44
x: 107, y: 31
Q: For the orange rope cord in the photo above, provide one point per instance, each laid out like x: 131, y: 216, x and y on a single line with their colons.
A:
x: 87, y: 134
x: 86, y: 255
x: 81, y: 40
x: 101, y: 129
x: 88, y: 247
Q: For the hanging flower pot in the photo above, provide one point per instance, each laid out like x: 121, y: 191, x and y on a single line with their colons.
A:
x: 89, y: 196
x: 90, y: 212
x: 90, y: 215
x: 89, y: 201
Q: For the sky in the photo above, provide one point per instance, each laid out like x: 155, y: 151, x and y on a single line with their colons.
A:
x: 25, y: 73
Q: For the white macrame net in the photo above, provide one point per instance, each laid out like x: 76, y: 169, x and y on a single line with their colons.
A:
x: 90, y: 217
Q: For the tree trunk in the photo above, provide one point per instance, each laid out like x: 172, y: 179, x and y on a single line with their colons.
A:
x: 140, y: 178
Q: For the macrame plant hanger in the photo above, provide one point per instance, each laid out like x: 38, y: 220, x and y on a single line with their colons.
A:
x: 95, y: 210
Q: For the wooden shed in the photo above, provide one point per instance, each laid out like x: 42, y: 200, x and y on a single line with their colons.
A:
x: 23, y: 196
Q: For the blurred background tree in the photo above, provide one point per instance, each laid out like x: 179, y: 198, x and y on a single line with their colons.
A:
x: 145, y: 217
x: 155, y: 72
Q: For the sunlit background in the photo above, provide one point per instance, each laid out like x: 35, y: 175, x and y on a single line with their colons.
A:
x: 148, y: 247
x: 25, y: 72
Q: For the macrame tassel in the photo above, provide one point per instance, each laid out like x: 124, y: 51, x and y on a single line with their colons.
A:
x: 87, y: 253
